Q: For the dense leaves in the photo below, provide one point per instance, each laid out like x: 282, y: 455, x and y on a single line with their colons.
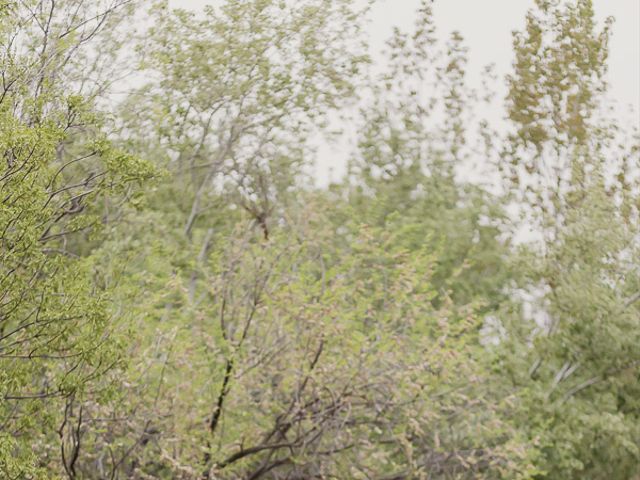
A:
x: 178, y: 301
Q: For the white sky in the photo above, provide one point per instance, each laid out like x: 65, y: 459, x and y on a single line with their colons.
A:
x: 486, y: 26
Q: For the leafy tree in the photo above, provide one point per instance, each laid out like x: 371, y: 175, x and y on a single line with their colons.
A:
x: 58, y: 167
x: 574, y: 362
x: 413, y: 144
x: 210, y: 314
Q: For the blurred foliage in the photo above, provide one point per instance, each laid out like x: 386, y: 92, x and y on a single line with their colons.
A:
x: 179, y: 301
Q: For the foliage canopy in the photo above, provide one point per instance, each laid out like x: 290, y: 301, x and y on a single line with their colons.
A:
x: 178, y: 300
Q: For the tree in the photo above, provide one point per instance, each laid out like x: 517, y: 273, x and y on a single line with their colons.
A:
x: 414, y: 141
x: 211, y: 314
x: 574, y: 362
x: 58, y: 167
x: 283, y: 361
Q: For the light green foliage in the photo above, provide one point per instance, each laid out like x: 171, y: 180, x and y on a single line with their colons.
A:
x: 575, y: 363
x: 55, y: 319
x: 238, y: 91
x: 299, y: 349
x: 412, y: 145
x: 177, y: 301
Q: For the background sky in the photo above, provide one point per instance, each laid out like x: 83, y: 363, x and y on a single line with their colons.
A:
x: 486, y: 26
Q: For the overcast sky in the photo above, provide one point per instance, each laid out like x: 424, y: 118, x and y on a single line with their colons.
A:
x: 486, y: 26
